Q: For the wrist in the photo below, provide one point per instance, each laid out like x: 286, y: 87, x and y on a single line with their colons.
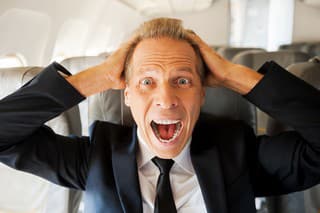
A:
x: 241, y: 79
x: 89, y: 81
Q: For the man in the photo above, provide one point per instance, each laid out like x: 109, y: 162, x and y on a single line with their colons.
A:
x: 217, y: 166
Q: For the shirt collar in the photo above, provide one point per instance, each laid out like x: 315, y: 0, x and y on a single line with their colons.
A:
x: 145, y: 155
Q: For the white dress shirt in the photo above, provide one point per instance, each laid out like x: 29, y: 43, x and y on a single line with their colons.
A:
x: 184, y: 183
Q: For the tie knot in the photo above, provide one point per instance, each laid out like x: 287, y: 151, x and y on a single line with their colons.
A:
x: 164, y: 165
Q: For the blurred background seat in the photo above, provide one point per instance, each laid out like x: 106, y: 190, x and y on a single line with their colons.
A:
x: 230, y: 52
x: 311, y: 48
x: 25, y: 192
x: 78, y: 64
x: 255, y: 60
x: 309, y: 200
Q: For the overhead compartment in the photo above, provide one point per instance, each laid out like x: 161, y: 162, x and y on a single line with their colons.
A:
x: 156, y: 7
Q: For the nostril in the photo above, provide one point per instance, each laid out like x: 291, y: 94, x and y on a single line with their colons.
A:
x: 166, y: 106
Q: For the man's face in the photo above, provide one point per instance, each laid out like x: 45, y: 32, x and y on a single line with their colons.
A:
x: 164, y: 93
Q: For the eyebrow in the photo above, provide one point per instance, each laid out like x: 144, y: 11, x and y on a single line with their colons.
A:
x: 185, y: 69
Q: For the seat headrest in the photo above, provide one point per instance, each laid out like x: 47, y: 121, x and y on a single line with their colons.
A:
x: 80, y: 63
x: 230, y: 52
x: 307, y: 71
x: 223, y: 103
x: 104, y: 54
x: 284, y: 58
x: 109, y: 106
x: 12, y: 79
x: 314, y: 49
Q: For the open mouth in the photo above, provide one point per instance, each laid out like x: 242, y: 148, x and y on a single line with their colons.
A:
x: 166, y: 130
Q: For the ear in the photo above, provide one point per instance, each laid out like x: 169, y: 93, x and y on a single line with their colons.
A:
x: 203, y: 95
x: 126, y: 96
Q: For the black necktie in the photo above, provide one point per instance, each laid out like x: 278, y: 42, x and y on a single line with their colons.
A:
x: 164, y: 202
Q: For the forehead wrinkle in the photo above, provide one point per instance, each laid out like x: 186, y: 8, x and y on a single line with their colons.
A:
x: 165, y: 60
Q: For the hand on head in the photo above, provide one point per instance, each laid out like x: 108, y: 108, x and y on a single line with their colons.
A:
x: 115, y: 64
x: 218, y: 66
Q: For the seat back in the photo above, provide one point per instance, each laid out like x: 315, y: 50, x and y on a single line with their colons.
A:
x: 255, y: 60
x: 226, y: 104
x: 284, y: 58
x: 298, y: 46
x: 230, y: 52
x: 78, y: 64
x: 25, y: 192
x: 314, y: 49
x: 309, y: 200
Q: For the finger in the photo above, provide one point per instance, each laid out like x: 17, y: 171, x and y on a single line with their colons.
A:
x: 122, y: 84
x: 195, y: 38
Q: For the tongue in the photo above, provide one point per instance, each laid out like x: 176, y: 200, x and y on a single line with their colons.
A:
x: 166, y: 131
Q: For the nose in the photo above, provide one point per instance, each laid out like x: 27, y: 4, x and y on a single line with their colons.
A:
x: 166, y: 97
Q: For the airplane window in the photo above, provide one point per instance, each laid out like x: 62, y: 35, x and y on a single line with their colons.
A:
x: 265, y: 23
x: 249, y: 23
x: 13, y: 60
x: 71, y: 39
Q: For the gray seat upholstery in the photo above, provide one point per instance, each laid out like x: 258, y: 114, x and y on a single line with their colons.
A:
x: 109, y: 106
x: 284, y: 58
x: 230, y: 52
x: 79, y: 63
x: 75, y: 65
x: 312, y: 48
x: 224, y: 103
x: 298, y: 46
x: 30, y: 193
x: 255, y: 60
x: 104, y: 54
x: 106, y: 106
x: 309, y: 200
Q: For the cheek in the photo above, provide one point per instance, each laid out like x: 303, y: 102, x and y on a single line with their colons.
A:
x: 192, y: 100
x: 192, y: 103
x: 139, y: 102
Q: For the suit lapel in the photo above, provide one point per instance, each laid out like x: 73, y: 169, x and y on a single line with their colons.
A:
x: 206, y: 162
x: 125, y: 172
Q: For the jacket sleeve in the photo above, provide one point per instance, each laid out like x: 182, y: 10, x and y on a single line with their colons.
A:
x: 28, y: 145
x: 289, y: 161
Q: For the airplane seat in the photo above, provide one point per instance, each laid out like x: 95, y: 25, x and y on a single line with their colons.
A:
x: 297, y: 46
x: 75, y: 65
x: 109, y: 106
x: 255, y: 60
x: 230, y: 52
x: 104, y: 54
x: 80, y: 63
x: 105, y: 106
x: 284, y: 58
x: 314, y: 49
x: 227, y: 104
x: 309, y: 200
x: 25, y: 192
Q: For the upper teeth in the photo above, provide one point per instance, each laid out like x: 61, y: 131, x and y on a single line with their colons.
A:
x: 166, y: 121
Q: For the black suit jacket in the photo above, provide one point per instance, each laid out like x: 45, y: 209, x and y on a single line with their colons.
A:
x: 233, y: 166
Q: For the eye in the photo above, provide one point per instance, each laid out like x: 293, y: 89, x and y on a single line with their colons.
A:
x: 183, y: 81
x: 146, y: 81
